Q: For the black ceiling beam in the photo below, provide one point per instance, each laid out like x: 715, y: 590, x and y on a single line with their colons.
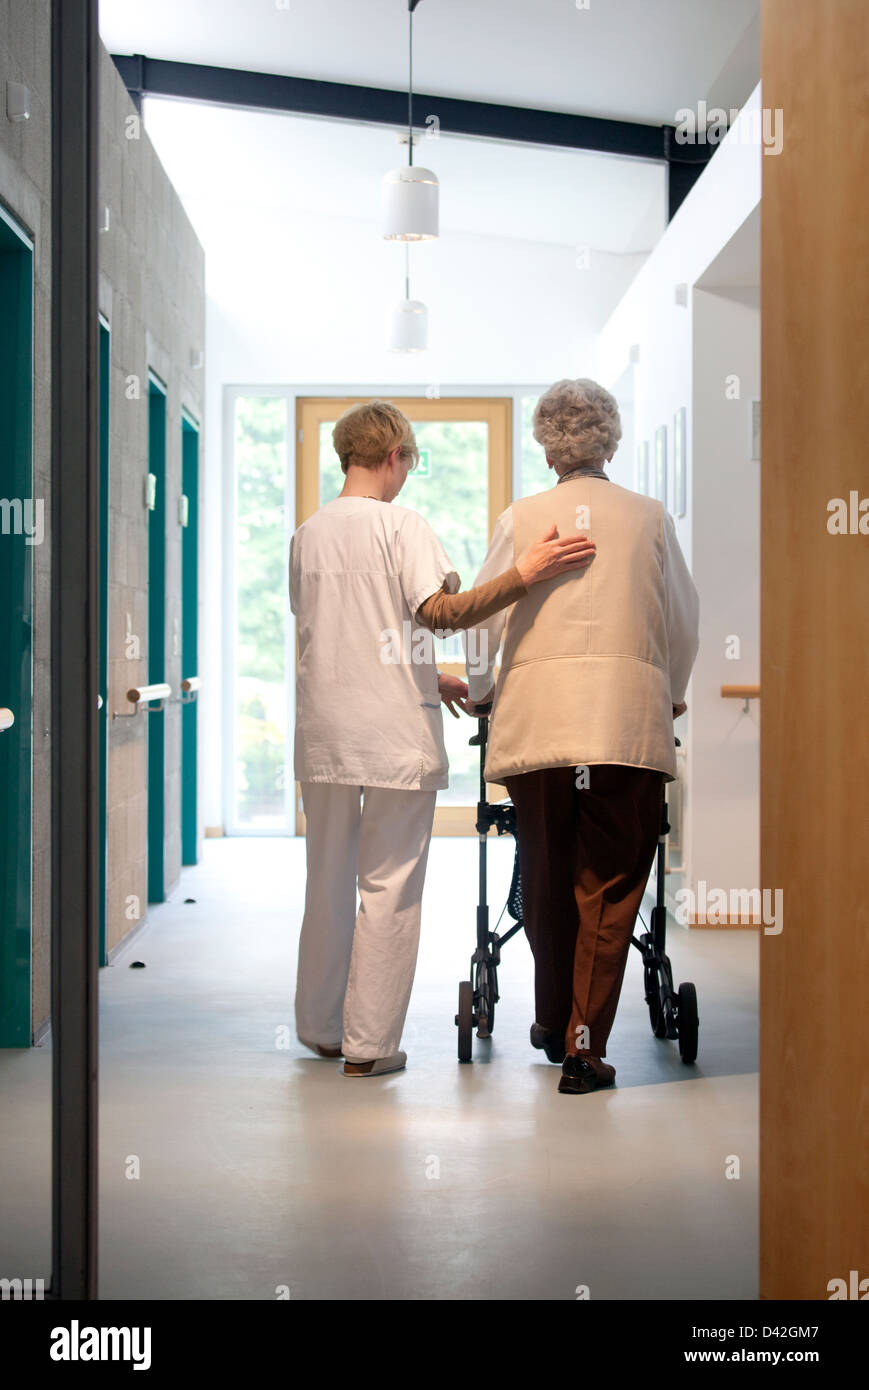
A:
x: 305, y: 96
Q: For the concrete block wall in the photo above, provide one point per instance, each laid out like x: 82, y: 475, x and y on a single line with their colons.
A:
x: 152, y: 292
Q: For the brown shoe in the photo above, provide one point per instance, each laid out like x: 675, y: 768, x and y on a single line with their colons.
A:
x: 582, y: 1073
x: 605, y: 1074
x: 550, y: 1043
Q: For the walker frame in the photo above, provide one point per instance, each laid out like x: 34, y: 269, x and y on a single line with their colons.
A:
x: 672, y: 1013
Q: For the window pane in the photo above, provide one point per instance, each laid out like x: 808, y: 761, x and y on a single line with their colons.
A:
x: 450, y: 487
x: 534, y: 474
x: 464, y: 788
x: 260, y: 697
x: 331, y: 477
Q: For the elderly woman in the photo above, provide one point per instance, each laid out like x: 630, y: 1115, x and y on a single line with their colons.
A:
x: 368, y: 580
x: 593, y: 672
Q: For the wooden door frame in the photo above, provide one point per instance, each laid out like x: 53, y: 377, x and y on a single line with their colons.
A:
x: 497, y: 412
x: 814, y: 1060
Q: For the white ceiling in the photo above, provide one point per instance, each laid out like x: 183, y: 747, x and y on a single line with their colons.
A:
x: 635, y: 59
x: 282, y: 165
x: 309, y: 190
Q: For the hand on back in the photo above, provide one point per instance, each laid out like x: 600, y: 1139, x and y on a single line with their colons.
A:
x: 552, y: 556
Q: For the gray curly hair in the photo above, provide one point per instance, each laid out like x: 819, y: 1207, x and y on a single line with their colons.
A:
x: 577, y: 422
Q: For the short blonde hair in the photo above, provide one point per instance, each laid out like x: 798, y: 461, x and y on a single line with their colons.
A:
x: 366, y: 435
x: 577, y: 422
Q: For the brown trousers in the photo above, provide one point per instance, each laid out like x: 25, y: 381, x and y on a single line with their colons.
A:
x: 584, y: 856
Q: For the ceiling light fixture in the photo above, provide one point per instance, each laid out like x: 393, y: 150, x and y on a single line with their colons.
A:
x: 409, y: 324
x: 410, y: 194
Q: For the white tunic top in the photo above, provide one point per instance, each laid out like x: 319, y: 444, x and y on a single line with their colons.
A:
x: 368, y: 712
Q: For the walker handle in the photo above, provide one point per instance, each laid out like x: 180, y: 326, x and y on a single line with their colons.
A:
x: 480, y: 737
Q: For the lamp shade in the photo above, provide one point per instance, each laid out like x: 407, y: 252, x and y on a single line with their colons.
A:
x: 409, y: 327
x: 410, y: 204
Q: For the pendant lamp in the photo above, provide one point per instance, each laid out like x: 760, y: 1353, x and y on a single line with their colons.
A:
x: 410, y: 193
x: 408, y: 329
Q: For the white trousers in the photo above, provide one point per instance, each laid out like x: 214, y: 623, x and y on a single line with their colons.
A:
x: 356, y: 969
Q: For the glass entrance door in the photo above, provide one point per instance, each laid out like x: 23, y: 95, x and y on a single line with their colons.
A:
x: 462, y: 484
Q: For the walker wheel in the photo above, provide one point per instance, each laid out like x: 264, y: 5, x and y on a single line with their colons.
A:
x: 650, y: 982
x: 688, y: 1022
x: 651, y: 985
x: 465, y: 1019
x: 669, y: 1031
x: 486, y: 994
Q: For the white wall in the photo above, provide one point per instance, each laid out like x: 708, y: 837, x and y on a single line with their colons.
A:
x: 684, y: 352
x: 309, y: 300
x: 724, y: 772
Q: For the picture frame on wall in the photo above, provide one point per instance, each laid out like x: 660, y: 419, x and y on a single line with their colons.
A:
x: 680, y: 461
x: 643, y: 468
x: 661, y: 464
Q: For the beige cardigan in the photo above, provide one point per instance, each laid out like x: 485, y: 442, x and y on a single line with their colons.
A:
x: 594, y: 661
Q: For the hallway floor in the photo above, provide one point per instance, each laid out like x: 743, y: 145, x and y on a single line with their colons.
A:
x: 262, y: 1166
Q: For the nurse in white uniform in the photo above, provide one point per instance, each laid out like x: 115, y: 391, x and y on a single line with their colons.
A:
x: 369, y: 581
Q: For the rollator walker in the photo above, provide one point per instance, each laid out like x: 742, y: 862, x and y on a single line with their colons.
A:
x: 672, y: 1013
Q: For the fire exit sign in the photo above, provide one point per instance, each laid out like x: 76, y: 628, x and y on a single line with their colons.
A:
x: 423, y: 468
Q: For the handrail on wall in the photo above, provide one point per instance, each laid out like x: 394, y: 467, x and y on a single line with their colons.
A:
x: 7, y: 719
x: 142, y: 695
x: 191, y: 684
x: 741, y: 692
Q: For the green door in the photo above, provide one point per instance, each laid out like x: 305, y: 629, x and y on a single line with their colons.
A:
x: 21, y: 527
x: 189, y: 633
x: 157, y: 640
